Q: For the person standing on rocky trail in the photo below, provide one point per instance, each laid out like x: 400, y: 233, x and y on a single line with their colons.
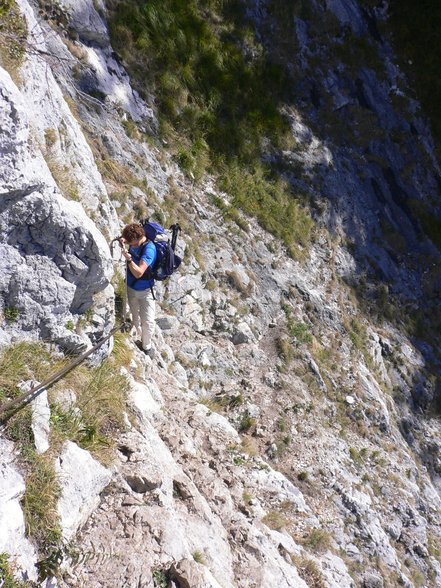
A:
x: 140, y: 257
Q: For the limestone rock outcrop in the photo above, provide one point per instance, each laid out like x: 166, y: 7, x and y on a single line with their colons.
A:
x: 53, y: 258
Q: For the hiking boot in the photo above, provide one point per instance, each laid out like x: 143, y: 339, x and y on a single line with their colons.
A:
x: 150, y: 352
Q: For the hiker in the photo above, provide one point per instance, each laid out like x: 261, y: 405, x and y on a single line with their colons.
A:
x: 140, y: 256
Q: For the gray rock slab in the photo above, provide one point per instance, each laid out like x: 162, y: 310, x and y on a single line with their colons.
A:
x: 85, y: 20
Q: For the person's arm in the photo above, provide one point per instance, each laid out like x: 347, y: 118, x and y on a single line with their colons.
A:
x: 136, y: 270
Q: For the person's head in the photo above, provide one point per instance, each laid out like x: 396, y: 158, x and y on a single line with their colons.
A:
x: 133, y: 234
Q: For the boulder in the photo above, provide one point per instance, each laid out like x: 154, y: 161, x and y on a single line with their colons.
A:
x: 243, y: 334
x: 82, y: 479
x: 13, y: 539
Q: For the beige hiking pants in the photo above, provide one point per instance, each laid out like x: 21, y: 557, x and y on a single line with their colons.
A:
x: 142, y: 307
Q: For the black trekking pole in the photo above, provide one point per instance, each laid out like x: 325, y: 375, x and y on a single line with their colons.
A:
x: 175, y: 231
x: 126, y: 326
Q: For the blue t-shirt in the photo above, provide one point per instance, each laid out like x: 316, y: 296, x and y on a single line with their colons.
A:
x: 147, y: 253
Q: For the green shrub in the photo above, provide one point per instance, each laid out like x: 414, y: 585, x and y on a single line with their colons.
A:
x: 357, y: 334
x: 246, y: 422
x: 300, y: 332
x: 11, y: 314
x: 219, y: 99
x: 160, y: 578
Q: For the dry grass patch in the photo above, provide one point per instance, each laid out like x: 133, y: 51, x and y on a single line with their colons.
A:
x: 40, y: 502
x: 212, y: 404
x: 275, y: 520
x: 318, y: 540
x: 66, y: 182
x: 98, y: 414
x: 25, y: 361
x: 92, y: 423
x: 309, y: 571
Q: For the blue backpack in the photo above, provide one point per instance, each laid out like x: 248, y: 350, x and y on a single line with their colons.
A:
x: 167, y: 262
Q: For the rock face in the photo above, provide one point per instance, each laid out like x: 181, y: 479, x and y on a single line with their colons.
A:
x: 281, y: 436
x: 360, y: 139
x: 53, y: 259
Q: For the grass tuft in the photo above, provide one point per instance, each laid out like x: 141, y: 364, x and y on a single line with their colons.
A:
x: 13, y: 35
x: 198, y: 557
x: 309, y: 571
x: 7, y: 571
x: 275, y: 520
x: 318, y: 540
x: 40, y: 502
x: 92, y: 423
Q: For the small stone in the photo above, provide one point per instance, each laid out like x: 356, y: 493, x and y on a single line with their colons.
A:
x: 167, y: 323
x: 141, y: 484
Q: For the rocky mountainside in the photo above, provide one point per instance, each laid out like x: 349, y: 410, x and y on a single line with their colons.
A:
x: 287, y: 432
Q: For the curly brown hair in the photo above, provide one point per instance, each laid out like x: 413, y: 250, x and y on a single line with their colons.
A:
x: 132, y: 232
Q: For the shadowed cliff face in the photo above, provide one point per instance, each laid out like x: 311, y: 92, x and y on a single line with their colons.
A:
x: 379, y: 188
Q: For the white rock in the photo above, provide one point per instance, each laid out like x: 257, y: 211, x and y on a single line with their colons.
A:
x: 335, y: 571
x: 168, y: 323
x: 41, y: 415
x: 276, y: 483
x: 13, y: 539
x: 82, y: 479
x: 142, y: 398
x: 180, y: 373
x: 65, y: 257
